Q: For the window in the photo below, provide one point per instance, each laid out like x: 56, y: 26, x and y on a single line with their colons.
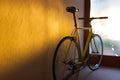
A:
x: 108, y: 29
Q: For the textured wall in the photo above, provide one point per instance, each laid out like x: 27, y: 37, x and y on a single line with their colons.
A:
x: 29, y: 31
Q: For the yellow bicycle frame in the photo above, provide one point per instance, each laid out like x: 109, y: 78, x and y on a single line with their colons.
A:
x: 75, y: 34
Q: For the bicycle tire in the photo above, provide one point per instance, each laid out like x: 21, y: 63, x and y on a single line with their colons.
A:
x: 95, y: 52
x: 67, y: 64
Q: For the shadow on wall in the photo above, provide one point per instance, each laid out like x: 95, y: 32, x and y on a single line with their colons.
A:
x: 36, y: 68
x: 29, y: 31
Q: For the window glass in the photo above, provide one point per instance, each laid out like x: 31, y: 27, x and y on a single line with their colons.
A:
x: 108, y: 29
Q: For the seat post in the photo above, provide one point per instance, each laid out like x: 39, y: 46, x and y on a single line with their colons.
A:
x: 75, y: 22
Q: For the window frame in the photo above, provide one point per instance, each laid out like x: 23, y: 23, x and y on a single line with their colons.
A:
x: 108, y: 60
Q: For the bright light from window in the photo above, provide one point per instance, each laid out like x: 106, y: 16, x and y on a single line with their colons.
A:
x: 108, y: 29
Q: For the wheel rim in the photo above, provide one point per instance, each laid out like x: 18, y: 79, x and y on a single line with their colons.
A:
x: 64, y: 59
x: 95, y: 52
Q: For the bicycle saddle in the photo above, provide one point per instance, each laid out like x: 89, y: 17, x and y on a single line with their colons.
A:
x: 72, y: 9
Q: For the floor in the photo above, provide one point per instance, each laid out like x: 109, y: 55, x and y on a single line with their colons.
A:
x: 103, y: 73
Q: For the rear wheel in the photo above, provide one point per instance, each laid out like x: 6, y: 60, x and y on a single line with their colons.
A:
x: 95, y: 52
x: 65, y: 56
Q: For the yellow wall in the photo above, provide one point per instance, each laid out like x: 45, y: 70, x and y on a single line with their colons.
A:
x: 29, y: 32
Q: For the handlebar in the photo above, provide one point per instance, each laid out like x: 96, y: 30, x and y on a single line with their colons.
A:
x: 92, y: 18
x: 73, y: 9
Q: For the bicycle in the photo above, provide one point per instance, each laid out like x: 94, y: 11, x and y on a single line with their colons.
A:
x: 68, y: 56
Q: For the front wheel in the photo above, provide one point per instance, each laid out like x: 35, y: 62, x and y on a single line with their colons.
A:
x: 95, y: 52
x: 65, y: 56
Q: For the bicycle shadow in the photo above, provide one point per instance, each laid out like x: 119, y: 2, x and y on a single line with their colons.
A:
x: 75, y: 75
x: 71, y: 76
x: 86, y: 73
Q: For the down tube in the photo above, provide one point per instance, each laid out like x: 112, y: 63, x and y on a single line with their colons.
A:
x: 86, y: 45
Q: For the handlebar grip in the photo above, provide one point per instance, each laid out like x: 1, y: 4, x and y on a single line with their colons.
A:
x: 102, y: 17
x: 72, y: 9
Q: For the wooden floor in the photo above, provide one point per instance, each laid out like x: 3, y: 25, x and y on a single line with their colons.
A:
x: 104, y: 73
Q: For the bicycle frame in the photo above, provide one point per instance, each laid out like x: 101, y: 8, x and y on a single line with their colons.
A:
x: 76, y: 35
x: 75, y: 32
